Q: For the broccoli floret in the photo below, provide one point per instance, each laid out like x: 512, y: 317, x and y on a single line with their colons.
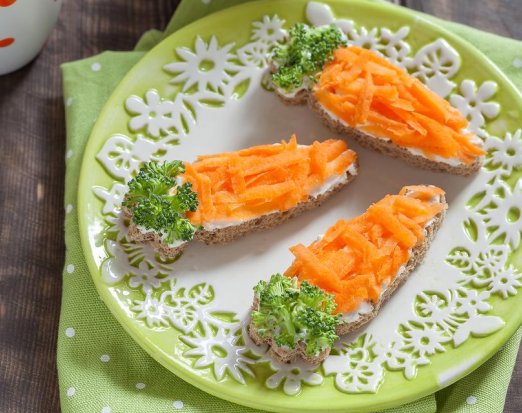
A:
x: 153, y: 178
x: 318, y: 327
x: 159, y: 203
x: 305, y: 54
x: 186, y: 198
x: 290, y: 314
x: 316, y: 298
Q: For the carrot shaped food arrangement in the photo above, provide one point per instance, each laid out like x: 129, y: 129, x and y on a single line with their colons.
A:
x: 340, y: 281
x: 360, y: 93
x: 221, y: 197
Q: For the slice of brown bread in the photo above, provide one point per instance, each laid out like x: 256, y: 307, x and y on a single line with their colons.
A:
x: 230, y: 233
x: 418, y: 253
x: 384, y: 146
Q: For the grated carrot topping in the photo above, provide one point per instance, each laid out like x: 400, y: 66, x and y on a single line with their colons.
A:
x: 355, y: 257
x: 368, y: 92
x: 242, y: 185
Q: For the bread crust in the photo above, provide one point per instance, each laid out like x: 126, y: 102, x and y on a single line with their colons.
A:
x: 230, y: 233
x: 155, y: 241
x: 417, y: 256
x: 386, y: 147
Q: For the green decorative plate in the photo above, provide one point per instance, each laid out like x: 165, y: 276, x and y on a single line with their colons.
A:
x: 202, y: 91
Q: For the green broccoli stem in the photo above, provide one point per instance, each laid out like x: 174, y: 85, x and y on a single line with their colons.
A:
x: 287, y: 322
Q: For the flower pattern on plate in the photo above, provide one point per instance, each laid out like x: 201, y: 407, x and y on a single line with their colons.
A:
x: 505, y: 283
x: 503, y: 216
x: 270, y: 30
x: 152, y: 311
x: 207, y: 66
x: 254, y: 54
x: 472, y: 302
x: 219, y: 350
x: 151, y: 112
x: 292, y: 375
x: 146, y: 281
x: 122, y: 155
x: 473, y: 102
x: 427, y: 340
x: 396, y: 357
x: 505, y: 153
x: 186, y: 306
x: 357, y: 369
x: 112, y: 198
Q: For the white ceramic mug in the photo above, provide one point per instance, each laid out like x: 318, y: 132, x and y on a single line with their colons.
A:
x: 24, y: 27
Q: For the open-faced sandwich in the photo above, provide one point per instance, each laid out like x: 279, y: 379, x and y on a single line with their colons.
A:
x: 360, y: 93
x: 221, y: 197
x: 339, y: 282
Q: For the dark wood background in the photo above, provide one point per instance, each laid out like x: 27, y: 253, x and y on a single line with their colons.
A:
x: 32, y: 146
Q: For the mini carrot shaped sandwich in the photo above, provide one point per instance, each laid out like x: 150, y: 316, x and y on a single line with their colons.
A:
x: 221, y: 197
x: 360, y: 93
x: 339, y: 282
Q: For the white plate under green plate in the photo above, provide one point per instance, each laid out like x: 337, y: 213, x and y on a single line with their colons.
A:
x: 201, y: 91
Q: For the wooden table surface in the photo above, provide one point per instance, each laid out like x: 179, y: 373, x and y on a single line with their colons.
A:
x: 32, y: 142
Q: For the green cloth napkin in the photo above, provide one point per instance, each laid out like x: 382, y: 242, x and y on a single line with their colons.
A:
x: 100, y: 368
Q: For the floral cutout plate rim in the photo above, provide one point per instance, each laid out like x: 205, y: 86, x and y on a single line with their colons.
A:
x: 206, y: 77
